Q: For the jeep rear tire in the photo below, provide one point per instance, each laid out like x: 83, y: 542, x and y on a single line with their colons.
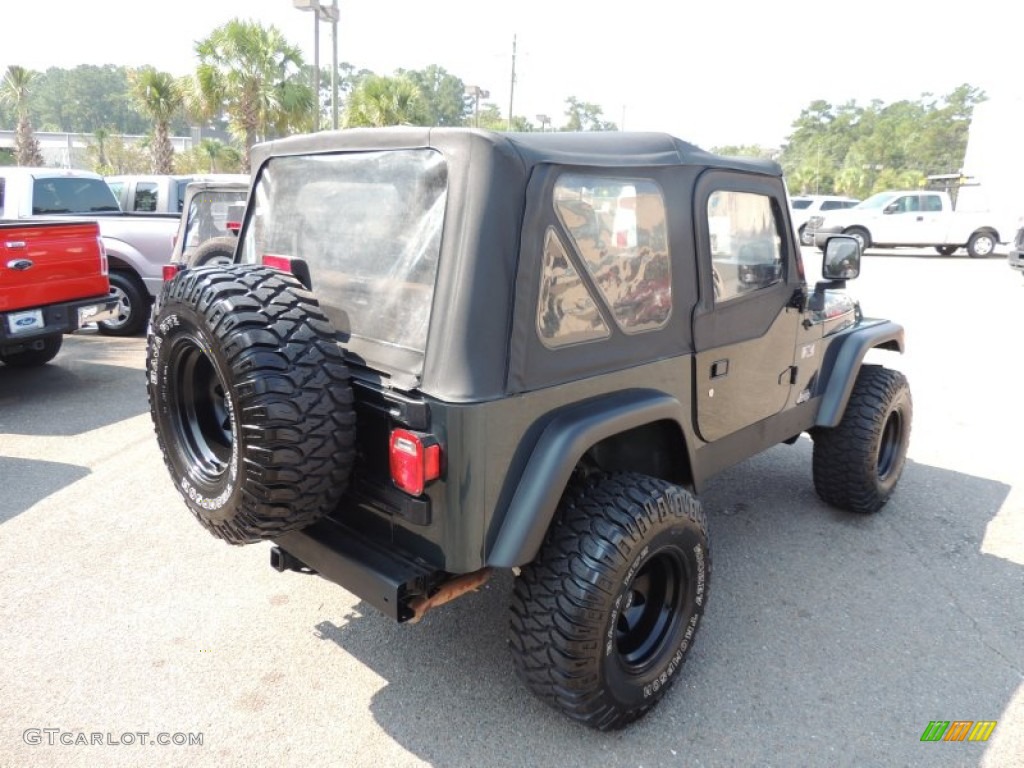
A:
x: 604, y: 616
x: 251, y: 400
x: 858, y: 463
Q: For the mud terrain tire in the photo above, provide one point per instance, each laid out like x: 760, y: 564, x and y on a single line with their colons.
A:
x: 858, y: 463
x: 251, y: 401
x: 604, y: 616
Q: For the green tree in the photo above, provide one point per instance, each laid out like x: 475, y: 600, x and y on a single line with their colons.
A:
x: 378, y: 101
x: 255, y: 75
x: 15, y: 90
x: 746, y: 150
x: 159, y: 96
x: 584, y: 116
x: 443, y: 96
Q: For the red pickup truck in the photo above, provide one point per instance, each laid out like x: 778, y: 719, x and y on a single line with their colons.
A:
x: 53, y: 280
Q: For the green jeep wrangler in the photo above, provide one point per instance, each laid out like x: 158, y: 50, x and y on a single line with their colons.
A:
x: 441, y: 352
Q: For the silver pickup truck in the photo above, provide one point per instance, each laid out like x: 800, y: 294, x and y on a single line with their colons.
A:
x: 137, y: 245
x: 155, y: 193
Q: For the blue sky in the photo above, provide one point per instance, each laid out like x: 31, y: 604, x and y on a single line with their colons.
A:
x: 711, y: 73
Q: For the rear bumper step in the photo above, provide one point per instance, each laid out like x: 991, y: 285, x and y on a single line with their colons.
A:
x: 378, y: 574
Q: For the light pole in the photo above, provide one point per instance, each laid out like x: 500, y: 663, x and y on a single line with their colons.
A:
x: 323, y: 13
x: 476, y: 92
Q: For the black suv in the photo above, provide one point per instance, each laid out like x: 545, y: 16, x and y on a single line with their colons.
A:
x: 442, y: 352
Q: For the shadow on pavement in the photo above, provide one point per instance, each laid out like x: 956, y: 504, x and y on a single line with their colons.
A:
x: 54, y: 399
x: 24, y: 482
x: 830, y: 639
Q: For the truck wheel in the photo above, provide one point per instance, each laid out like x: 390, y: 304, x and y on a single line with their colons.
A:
x: 47, y: 349
x: 981, y: 245
x: 217, y: 250
x: 858, y: 463
x: 860, y: 235
x: 603, y: 618
x: 946, y: 250
x: 132, y: 306
x: 251, y: 400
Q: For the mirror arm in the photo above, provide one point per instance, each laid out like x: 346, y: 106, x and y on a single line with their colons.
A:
x: 816, y: 301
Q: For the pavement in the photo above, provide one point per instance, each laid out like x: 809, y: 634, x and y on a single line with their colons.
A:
x: 829, y: 639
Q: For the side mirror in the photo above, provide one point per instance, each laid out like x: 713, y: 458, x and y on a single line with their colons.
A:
x: 841, y: 260
x: 891, y: 208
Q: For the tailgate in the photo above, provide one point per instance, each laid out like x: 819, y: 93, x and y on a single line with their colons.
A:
x: 50, y: 262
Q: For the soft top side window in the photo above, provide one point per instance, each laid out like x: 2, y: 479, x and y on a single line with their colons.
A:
x: 618, y: 228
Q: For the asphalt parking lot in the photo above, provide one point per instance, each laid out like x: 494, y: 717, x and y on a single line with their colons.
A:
x: 829, y: 639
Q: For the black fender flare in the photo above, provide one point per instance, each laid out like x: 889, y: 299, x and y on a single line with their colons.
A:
x: 843, y: 361
x: 567, y: 436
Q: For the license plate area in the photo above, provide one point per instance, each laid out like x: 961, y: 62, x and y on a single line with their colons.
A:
x: 25, y: 322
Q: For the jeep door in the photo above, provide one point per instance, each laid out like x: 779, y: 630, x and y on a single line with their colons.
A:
x: 746, y: 323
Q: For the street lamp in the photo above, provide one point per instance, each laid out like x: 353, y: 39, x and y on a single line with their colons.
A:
x: 477, y: 92
x: 329, y: 13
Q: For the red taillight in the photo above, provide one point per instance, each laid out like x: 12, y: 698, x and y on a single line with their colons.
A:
x: 283, y: 263
x: 234, y: 226
x: 104, y: 264
x: 171, y: 271
x: 415, y: 460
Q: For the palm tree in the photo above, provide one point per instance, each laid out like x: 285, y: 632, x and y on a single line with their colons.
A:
x: 158, y: 95
x: 379, y: 101
x: 251, y: 73
x: 14, y: 90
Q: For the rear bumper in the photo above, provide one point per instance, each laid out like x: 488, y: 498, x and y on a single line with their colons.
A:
x: 29, y: 324
x: 1016, y: 259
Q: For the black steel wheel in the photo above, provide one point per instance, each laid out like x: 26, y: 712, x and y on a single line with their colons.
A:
x: 251, y: 401
x: 602, y: 620
x: 858, y: 463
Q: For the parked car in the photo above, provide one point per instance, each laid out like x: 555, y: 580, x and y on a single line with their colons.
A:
x: 917, y: 218
x: 158, y: 193
x: 1016, y: 257
x: 137, y: 245
x: 208, y: 230
x: 441, y: 352
x: 53, y: 280
x: 802, y: 207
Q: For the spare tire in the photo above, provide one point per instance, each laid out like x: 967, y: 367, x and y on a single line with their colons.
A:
x: 251, y: 401
x: 216, y: 250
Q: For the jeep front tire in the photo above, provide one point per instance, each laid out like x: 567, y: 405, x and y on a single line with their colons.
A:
x: 858, y: 463
x: 251, y: 401
x: 603, y: 618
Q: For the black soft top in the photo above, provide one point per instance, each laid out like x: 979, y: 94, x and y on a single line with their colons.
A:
x: 594, y: 149
x: 493, y: 234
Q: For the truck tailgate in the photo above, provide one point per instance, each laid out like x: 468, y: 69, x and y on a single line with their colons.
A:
x: 47, y: 262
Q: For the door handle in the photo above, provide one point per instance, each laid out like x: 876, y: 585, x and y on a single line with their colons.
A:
x: 719, y: 368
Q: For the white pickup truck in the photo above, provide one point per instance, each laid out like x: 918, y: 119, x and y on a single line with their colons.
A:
x: 916, y: 218
x: 137, y: 245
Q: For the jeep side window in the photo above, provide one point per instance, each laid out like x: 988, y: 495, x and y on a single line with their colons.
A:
x: 566, y: 312
x: 618, y: 228
x: 745, y: 243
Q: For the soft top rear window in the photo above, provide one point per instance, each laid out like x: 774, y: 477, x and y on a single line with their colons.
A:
x: 369, y: 226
